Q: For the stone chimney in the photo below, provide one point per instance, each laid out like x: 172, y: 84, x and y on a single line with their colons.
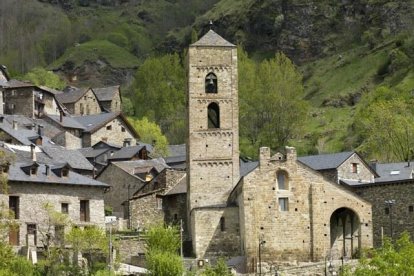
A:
x: 61, y: 116
x: 291, y: 153
x: 264, y: 157
x: 47, y: 169
x: 40, y: 130
x: 33, y: 151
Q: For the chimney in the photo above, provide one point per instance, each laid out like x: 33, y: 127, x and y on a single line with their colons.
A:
x: 14, y: 125
x: 40, y: 130
x: 47, y: 170
x: 61, y: 116
x: 33, y: 151
x: 373, y: 164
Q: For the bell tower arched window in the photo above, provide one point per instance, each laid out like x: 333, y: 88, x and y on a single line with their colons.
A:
x: 211, y: 83
x: 213, y: 113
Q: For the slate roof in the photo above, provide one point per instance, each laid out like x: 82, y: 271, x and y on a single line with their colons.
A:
x: 130, y: 166
x: 90, y: 152
x: 22, y: 134
x: 390, y: 172
x: 247, y: 167
x: 177, y: 150
x: 71, y: 94
x: 180, y: 188
x: 106, y: 145
x: 50, y: 90
x: 13, y: 83
x: 67, y: 121
x: 16, y: 173
x: 126, y: 152
x: 211, y: 38
x: 106, y: 93
x: 325, y: 161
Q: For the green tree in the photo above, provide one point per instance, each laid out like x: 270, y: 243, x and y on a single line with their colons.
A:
x: 272, y: 108
x: 159, y: 94
x: 150, y: 133
x: 391, y: 259
x: 220, y: 269
x: 40, y: 76
x: 386, y: 125
x: 162, y: 256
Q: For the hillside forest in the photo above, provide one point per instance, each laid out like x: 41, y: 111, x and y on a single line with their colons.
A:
x: 323, y: 76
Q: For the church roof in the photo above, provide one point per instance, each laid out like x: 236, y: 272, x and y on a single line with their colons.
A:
x: 211, y: 38
x: 325, y: 161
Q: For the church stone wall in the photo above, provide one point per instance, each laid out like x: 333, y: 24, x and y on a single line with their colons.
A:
x: 303, y: 231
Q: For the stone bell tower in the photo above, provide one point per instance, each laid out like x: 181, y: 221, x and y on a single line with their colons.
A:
x: 213, y: 135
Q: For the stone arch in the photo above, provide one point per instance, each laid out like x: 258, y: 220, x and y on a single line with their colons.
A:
x: 282, y: 179
x: 211, y: 83
x: 345, y: 233
x: 213, y: 114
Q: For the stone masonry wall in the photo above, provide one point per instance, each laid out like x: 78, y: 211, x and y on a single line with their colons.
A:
x: 19, y: 101
x: 363, y: 173
x: 115, y: 135
x: 32, y: 197
x: 88, y: 104
x: 303, y: 231
x: 401, y: 213
x: 146, y: 211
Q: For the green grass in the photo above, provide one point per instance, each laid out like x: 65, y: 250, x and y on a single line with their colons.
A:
x: 95, y: 50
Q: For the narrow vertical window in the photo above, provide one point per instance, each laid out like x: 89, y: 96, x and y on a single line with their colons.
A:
x: 211, y: 83
x: 84, y: 210
x: 31, y: 231
x: 354, y: 168
x: 283, y: 204
x: 14, y: 206
x: 222, y: 224
x: 282, y: 180
x: 411, y: 208
x: 65, y: 208
x: 213, y: 114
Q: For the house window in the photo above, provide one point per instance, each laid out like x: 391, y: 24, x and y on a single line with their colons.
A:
x: 82, y: 109
x: 13, y: 92
x: 354, y: 167
x: 213, y: 114
x: 84, y: 210
x: 282, y: 180
x: 211, y: 83
x: 33, y: 170
x: 65, y: 172
x: 222, y: 224
x: 14, y: 235
x: 387, y: 210
x: 122, y: 129
x: 411, y: 208
x: 14, y: 205
x: 283, y: 204
x: 159, y: 203
x: 65, y: 208
x: 109, y: 127
x: 31, y: 230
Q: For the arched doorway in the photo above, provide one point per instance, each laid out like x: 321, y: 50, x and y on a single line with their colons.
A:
x: 345, y: 233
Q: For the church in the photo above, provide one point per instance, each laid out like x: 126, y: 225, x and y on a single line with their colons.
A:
x: 282, y: 210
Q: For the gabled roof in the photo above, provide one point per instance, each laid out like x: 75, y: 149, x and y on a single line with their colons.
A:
x: 106, y: 93
x: 22, y: 134
x: 211, y: 38
x: 71, y: 94
x: 13, y: 83
x: 325, y: 161
x: 132, y: 166
x: 92, y: 123
x: 90, y: 152
x: 103, y: 144
x: 17, y: 174
x: 180, y: 188
x: 126, y: 152
x: 390, y: 172
x: 67, y: 121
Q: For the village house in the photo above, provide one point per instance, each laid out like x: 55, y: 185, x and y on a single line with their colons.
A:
x: 126, y: 178
x: 27, y: 99
x: 109, y: 98
x: 79, y: 101
x: 108, y: 127
x: 32, y: 185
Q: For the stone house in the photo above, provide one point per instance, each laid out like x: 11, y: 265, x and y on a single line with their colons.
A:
x: 32, y: 185
x: 79, y: 101
x: 90, y: 129
x: 299, y: 213
x: 24, y: 98
x: 126, y: 178
x: 109, y: 98
x: 392, y: 199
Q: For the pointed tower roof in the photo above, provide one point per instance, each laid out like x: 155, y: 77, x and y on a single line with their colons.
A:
x: 211, y: 38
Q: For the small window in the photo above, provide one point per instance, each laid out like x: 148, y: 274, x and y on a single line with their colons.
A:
x: 222, y: 224
x: 109, y: 127
x: 283, y: 204
x: 122, y: 129
x: 65, y: 208
x: 159, y: 203
x: 84, y: 210
x: 213, y: 114
x: 14, y: 206
x: 355, y: 168
x: 82, y: 109
x: 282, y: 180
x: 13, y: 92
x: 387, y: 210
x: 211, y: 83
x: 33, y: 170
x: 31, y: 230
x: 65, y: 172
x: 411, y: 208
